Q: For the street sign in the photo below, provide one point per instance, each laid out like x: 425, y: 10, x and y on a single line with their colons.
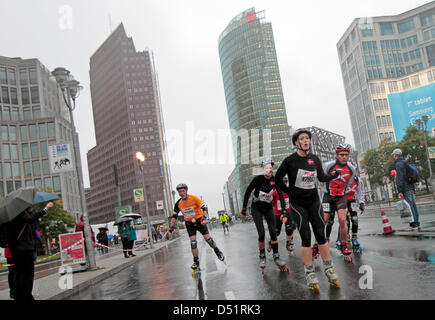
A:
x: 138, y: 195
x: 60, y: 156
x: 119, y: 211
x: 159, y: 205
x: 431, y: 151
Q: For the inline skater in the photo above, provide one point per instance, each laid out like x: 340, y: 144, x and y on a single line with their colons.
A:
x: 280, y: 219
x: 263, y: 186
x: 334, y: 198
x: 224, y: 220
x: 195, y: 214
x: 303, y: 169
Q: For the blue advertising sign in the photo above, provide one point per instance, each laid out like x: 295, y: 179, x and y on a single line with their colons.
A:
x: 410, y: 105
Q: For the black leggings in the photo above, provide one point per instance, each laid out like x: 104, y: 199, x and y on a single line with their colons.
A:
x: 305, y: 213
x: 258, y: 212
x: 289, y: 226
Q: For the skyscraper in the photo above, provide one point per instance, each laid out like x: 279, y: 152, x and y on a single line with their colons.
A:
x: 127, y: 118
x: 380, y: 56
x: 33, y: 116
x: 253, y: 93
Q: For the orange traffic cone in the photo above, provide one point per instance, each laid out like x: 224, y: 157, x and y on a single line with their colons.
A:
x: 387, y: 226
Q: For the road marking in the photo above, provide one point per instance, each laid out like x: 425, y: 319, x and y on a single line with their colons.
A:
x: 229, y: 295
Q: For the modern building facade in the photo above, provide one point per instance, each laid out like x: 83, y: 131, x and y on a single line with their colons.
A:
x: 127, y: 119
x: 231, y: 194
x: 33, y: 116
x: 376, y: 54
x: 253, y: 94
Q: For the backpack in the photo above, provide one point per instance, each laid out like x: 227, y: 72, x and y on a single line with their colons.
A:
x: 411, y: 175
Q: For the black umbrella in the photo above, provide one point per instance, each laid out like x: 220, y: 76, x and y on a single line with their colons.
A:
x: 15, y: 203
x: 131, y: 215
x: 121, y: 220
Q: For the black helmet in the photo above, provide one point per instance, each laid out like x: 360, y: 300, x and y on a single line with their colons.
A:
x: 266, y: 161
x: 181, y: 186
x: 295, y: 135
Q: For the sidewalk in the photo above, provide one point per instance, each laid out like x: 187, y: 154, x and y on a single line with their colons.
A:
x: 48, y: 288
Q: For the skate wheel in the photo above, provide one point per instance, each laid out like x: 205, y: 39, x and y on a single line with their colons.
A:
x: 315, y: 288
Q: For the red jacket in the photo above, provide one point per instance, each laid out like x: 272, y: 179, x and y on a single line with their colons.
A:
x: 278, y: 210
x: 80, y: 226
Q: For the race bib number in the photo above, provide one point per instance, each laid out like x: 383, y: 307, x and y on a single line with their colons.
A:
x: 306, y: 179
x: 326, y: 207
x: 265, y: 197
x: 354, y: 206
x: 188, y: 213
x: 287, y: 204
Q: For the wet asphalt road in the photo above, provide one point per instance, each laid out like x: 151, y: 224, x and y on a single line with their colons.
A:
x: 402, y: 268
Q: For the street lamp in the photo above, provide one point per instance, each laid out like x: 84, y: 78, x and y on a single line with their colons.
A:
x: 70, y: 91
x: 422, y: 124
x: 140, y: 161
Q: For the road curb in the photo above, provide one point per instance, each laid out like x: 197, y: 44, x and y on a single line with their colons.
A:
x: 92, y: 281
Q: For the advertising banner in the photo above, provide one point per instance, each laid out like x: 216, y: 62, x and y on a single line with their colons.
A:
x: 410, y: 105
x: 60, y: 156
x: 75, y: 250
x: 119, y: 211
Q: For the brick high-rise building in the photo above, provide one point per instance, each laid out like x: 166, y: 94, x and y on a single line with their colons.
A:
x: 127, y: 118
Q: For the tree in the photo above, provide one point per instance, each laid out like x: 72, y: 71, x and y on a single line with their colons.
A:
x: 378, y: 162
x: 55, y: 222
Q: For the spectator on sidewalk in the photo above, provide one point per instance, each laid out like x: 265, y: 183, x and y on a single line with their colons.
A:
x: 406, y: 189
x: 103, y: 239
x: 22, y: 248
x: 128, y: 234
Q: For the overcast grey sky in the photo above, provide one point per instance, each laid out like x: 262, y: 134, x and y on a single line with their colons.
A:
x: 183, y: 35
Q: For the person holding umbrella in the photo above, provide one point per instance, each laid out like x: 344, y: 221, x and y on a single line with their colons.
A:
x: 128, y: 235
x: 22, y: 247
x: 103, y: 239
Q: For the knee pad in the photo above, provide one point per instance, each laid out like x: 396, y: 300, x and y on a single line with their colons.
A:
x: 210, y: 241
x: 193, y: 244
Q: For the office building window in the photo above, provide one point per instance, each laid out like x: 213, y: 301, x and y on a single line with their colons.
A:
x: 24, y: 77
x: 12, y: 133
x: 5, y: 95
x: 35, y: 94
x: 427, y: 18
x: 406, y: 25
x: 32, y: 130
x: 3, y: 76
x: 46, y: 166
x: 25, y: 97
x: 6, y: 113
x: 6, y: 151
x: 42, y: 130
x: 11, y: 76
x: 50, y: 127
x: 430, y: 50
x: 56, y: 183
x: 36, y: 168
x: 35, y: 149
x: 14, y: 151
x: 25, y: 149
x: 33, y: 77
x: 406, y: 84
x: 415, y: 81
x: 27, y: 169
x: 386, y: 29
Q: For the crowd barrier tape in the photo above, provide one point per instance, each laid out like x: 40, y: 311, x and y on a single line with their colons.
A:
x: 48, y: 257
